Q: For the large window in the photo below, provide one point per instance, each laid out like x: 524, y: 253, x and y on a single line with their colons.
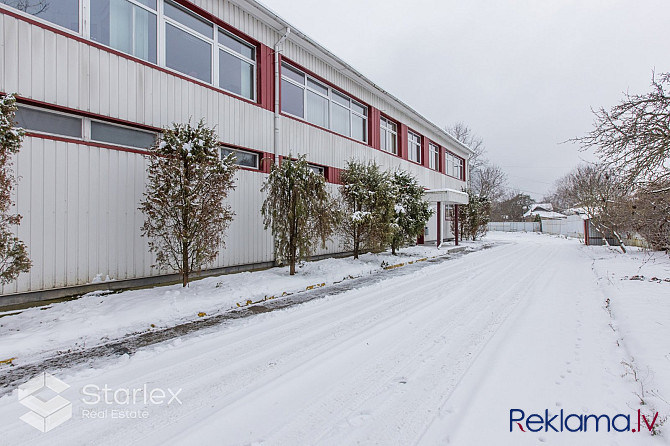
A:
x: 434, y: 156
x: 241, y: 157
x: 61, y: 12
x: 414, y: 147
x: 309, y: 99
x: 454, y: 166
x: 188, y: 43
x: 126, y: 25
x: 165, y: 32
x: 389, y: 136
x: 237, y: 66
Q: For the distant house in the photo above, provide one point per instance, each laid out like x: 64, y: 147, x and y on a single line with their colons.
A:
x: 544, y: 210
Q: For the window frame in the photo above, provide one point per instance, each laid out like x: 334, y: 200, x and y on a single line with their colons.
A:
x: 86, y: 136
x: 56, y: 112
x: 237, y: 149
x: 157, y: 12
x: 418, y: 146
x: 433, y: 156
x: 388, y: 133
x: 330, y: 97
x: 450, y: 165
x: 254, y: 64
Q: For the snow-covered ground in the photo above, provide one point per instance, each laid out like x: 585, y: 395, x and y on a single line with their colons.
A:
x: 97, y: 317
x: 437, y: 357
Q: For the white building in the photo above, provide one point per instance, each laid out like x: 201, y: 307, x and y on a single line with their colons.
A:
x: 97, y: 79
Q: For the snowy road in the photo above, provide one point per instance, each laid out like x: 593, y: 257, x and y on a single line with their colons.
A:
x: 437, y: 357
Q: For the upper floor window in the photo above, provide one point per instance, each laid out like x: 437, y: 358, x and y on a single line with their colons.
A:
x: 241, y: 157
x: 414, y: 147
x: 389, y: 135
x: 188, y: 43
x: 64, y: 13
x: 126, y: 25
x: 455, y: 166
x: 237, y: 66
x: 434, y: 156
x: 307, y: 98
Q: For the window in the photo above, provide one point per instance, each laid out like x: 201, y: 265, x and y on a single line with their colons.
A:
x: 319, y: 170
x: 119, y: 135
x: 188, y: 43
x: 389, y: 136
x: 454, y: 166
x: 237, y: 66
x: 434, y: 156
x: 242, y: 157
x: 40, y: 120
x: 126, y: 25
x: 56, y: 123
x: 309, y: 99
x: 414, y: 147
x: 61, y: 12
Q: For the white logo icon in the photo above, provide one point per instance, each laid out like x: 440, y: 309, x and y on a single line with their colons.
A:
x: 44, y: 414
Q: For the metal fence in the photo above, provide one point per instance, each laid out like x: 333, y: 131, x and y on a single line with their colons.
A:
x: 514, y: 226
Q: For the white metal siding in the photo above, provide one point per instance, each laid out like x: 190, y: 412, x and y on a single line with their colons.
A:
x: 79, y: 202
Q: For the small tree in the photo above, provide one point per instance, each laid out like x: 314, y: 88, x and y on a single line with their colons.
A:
x: 474, y: 216
x: 411, y: 211
x: 13, y: 252
x: 367, y: 206
x: 185, y: 217
x: 298, y: 209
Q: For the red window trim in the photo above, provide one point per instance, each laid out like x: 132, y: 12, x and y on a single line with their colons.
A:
x: 462, y: 165
x: 420, y: 163
x: 397, y: 131
x: 282, y: 58
x: 77, y: 37
x: 439, y: 155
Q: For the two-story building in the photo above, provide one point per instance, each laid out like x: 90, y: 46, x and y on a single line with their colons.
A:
x: 98, y: 79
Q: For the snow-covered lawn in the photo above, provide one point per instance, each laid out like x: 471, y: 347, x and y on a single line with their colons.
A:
x: 97, y: 317
x: 437, y: 357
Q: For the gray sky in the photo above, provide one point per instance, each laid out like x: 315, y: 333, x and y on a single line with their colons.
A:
x: 522, y: 74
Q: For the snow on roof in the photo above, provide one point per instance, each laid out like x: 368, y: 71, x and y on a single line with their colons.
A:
x: 542, y: 207
x: 547, y: 215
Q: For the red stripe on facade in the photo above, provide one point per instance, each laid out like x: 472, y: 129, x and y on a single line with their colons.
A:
x: 402, y: 141
x: 266, y: 78
x: 373, y: 124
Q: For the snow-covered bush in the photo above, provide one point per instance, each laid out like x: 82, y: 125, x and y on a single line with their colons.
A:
x: 411, y: 211
x: 13, y: 252
x: 367, y: 205
x: 298, y: 209
x: 185, y: 216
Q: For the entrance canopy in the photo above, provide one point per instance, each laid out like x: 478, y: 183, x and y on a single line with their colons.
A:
x: 447, y: 196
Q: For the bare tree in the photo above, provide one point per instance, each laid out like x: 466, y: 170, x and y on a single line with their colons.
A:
x: 511, y: 206
x: 464, y: 134
x: 602, y: 195
x: 633, y: 138
x: 560, y: 196
x: 489, y: 181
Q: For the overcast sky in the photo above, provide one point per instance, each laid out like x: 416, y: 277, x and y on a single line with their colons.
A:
x: 522, y: 74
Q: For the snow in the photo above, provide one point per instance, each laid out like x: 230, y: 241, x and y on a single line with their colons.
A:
x: 98, y: 317
x: 437, y: 357
x: 359, y: 216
